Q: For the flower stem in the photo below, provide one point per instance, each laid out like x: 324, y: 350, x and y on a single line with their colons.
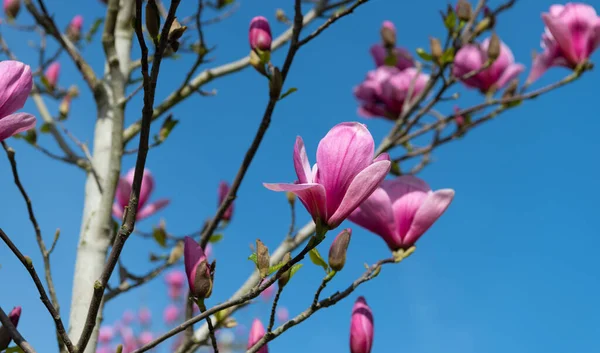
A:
x: 211, y: 328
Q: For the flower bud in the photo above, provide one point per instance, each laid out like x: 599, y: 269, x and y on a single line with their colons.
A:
x: 263, y: 259
x: 152, y: 19
x: 11, y: 8
x: 281, y: 16
x: 361, y: 327
x: 436, y: 49
x: 493, y: 51
x: 197, y: 269
x: 388, y: 34
x: 175, y: 32
x: 337, y: 251
x: 464, y: 10
x: 74, y: 29
x: 64, y: 107
x: 52, y: 73
x: 285, y: 277
x: 223, y: 191
x: 259, y: 34
x: 5, y: 339
x: 510, y: 91
x: 257, y: 331
x: 275, y: 83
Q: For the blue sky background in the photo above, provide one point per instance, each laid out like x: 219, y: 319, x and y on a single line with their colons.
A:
x: 511, y: 267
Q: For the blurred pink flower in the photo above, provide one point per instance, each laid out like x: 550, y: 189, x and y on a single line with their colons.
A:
x: 571, y: 35
x: 124, y: 191
x: 396, y: 57
x: 256, y: 333
x: 15, y: 85
x: 106, y: 334
x: 347, y: 173
x: 145, y: 338
x: 472, y: 57
x: 459, y: 120
x: 145, y: 316
x: 282, y: 314
x: 175, y: 278
x: 128, y: 317
x: 361, y: 327
x: 171, y: 314
x: 268, y: 293
x: 11, y: 8
x: 401, y: 210
x: 223, y: 190
x: 52, y: 73
x: 174, y: 292
x: 75, y: 27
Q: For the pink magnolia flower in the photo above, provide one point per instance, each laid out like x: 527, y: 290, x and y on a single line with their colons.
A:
x: 259, y: 34
x: 128, y: 317
x: 361, y: 327
x: 106, y: 334
x: 175, y: 278
x: 346, y: 174
x: 124, y: 190
x: 400, y: 57
x: 383, y: 92
x: 268, y: 293
x: 223, y: 190
x: 472, y: 57
x: 171, y: 314
x: 401, y: 210
x: 75, y: 27
x: 52, y: 73
x: 11, y: 8
x: 15, y: 85
x: 14, y: 316
x: 129, y: 341
x: 145, y: 338
x: 197, y: 269
x: 257, y: 331
x: 282, y: 314
x: 571, y: 35
x: 145, y: 316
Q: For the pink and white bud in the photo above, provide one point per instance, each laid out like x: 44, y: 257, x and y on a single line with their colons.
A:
x: 52, y: 74
x: 5, y: 338
x: 197, y: 269
x: 259, y: 34
x: 75, y: 27
x: 257, y: 331
x: 361, y: 327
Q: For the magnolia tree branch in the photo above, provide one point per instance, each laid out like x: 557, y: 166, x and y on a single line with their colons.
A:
x: 371, y: 273
x: 28, y: 264
x: 14, y: 333
x: 10, y: 153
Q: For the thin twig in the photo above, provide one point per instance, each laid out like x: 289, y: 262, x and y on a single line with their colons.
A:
x: 211, y: 329
x: 274, y: 309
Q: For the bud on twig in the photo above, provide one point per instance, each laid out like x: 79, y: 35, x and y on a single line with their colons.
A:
x: 176, y: 253
x: 510, y: 91
x: 276, y: 83
x: 11, y: 8
x: 175, y: 32
x: 464, y: 10
x: 263, y: 260
x: 74, y: 28
x: 436, y: 49
x: 197, y: 269
x: 493, y: 51
x: 282, y: 17
x: 388, y: 34
x: 152, y: 20
x: 285, y: 277
x: 338, y: 249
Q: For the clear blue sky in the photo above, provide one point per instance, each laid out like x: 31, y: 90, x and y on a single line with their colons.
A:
x: 511, y: 266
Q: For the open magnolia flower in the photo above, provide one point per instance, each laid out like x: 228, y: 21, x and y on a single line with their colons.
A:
x: 15, y: 85
x: 124, y: 191
x: 346, y: 174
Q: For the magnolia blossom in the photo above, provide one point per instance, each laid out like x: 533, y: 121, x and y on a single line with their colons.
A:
x: 171, y: 314
x: 401, y: 210
x: 197, y: 269
x: 75, y: 27
x: 145, y: 338
x: 259, y: 34
x: 145, y: 316
x: 15, y: 84
x: 106, y: 334
x: 383, y: 92
x: 346, y: 174
x: 52, y: 73
x: 361, y: 327
x: 223, y: 190
x: 472, y: 57
x: 14, y: 316
x: 282, y: 314
x: 124, y: 191
x: 395, y: 56
x: 571, y: 35
x: 257, y: 331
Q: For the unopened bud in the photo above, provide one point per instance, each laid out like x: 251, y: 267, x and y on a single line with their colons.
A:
x: 203, y: 283
x: 487, y: 23
x: 493, y: 51
x: 285, y: 277
x: 65, y: 107
x: 11, y: 8
x: 259, y: 34
x: 51, y: 75
x: 276, y: 83
x: 152, y: 19
x: 5, y: 337
x: 263, y: 260
x: 338, y: 249
x: 436, y: 48
x: 291, y: 197
x: 74, y: 29
x: 281, y: 16
x: 388, y: 34
x: 257, y: 62
x: 176, y: 253
x: 73, y: 91
x: 464, y: 10
x: 175, y: 32
x: 510, y: 91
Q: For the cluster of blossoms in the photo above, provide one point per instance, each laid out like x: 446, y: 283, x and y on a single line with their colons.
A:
x: 132, y: 331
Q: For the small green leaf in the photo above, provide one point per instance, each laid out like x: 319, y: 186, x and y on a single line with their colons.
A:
x: 275, y: 268
x: 448, y: 56
x: 395, y: 168
x: 450, y: 20
x: 45, y: 128
x: 294, y: 269
x: 215, y: 238
x: 46, y: 83
x: 254, y: 258
x: 288, y: 92
x: 316, y: 259
x: 31, y: 136
x: 160, y: 235
x: 390, y: 60
x: 513, y: 104
x: 424, y: 55
x: 95, y: 27
x: 166, y: 128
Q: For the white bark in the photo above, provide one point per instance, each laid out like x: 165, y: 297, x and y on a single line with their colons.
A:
x: 96, y: 228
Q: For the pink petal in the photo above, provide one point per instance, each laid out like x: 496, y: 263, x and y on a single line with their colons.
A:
x: 509, y: 73
x: 123, y: 191
x: 152, y: 208
x: 375, y: 214
x: 301, y: 163
x: 13, y: 124
x: 562, y: 35
x: 432, y: 208
x: 147, y: 187
x: 192, y: 256
x: 467, y: 59
x: 117, y: 211
x: 378, y: 53
x: 541, y: 64
x: 15, y: 85
x: 342, y: 154
x: 361, y: 327
x: 361, y: 187
x: 312, y: 197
